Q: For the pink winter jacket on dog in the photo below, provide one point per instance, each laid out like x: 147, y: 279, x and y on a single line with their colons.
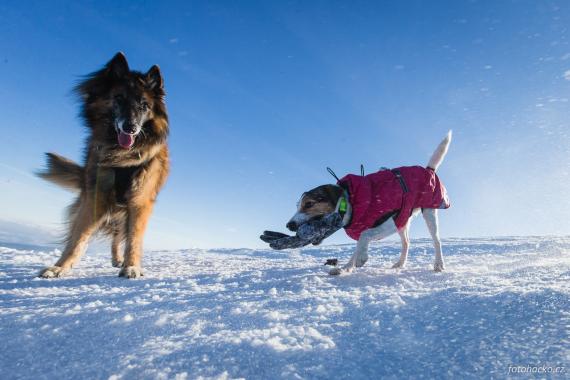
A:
x: 376, y: 196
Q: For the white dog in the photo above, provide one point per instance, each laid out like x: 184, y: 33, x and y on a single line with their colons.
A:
x: 380, y: 204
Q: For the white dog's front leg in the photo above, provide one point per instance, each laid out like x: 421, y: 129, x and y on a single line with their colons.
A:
x: 358, y: 258
x: 360, y: 255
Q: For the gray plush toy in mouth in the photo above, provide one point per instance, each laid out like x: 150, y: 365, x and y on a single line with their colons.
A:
x: 312, y: 232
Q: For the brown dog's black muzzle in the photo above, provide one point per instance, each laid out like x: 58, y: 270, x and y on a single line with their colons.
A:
x: 129, y: 128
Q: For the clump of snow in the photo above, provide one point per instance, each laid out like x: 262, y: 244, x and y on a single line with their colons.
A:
x: 265, y: 314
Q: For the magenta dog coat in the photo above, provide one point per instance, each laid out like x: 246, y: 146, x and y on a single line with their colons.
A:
x: 398, y: 191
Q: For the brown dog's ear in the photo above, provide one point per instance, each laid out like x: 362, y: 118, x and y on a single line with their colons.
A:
x: 118, y: 66
x: 154, y: 78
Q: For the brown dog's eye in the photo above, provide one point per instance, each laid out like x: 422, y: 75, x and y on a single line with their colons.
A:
x: 309, y: 204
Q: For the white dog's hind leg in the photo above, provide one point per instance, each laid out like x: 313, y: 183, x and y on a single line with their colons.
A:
x: 430, y: 216
x: 405, y: 236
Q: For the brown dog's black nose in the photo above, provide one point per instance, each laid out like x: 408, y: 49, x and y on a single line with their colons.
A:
x: 292, y: 226
x: 129, y: 128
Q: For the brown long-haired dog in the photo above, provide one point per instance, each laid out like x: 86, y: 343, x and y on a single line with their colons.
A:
x: 126, y: 164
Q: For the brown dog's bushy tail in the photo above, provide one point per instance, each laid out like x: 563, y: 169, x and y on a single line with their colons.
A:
x: 62, y: 172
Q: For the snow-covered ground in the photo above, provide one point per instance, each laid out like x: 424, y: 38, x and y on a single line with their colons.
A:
x: 264, y: 314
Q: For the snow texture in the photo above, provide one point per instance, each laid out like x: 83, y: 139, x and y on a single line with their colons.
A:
x: 262, y: 314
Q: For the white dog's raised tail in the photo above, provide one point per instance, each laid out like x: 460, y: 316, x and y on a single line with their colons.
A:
x: 439, y: 154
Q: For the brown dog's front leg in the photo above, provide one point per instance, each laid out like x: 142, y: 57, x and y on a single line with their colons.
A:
x: 85, y: 218
x: 141, y: 197
x: 118, y: 237
x: 136, y: 225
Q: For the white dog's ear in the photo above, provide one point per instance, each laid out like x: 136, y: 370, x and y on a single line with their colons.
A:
x: 118, y: 66
x: 154, y: 78
x: 333, y: 193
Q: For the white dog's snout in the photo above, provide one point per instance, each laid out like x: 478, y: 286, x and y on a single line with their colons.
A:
x: 299, y: 218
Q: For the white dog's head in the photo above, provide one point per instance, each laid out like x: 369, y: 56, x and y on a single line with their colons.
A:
x: 314, y: 204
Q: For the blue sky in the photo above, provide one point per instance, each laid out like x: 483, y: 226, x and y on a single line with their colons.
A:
x: 264, y: 95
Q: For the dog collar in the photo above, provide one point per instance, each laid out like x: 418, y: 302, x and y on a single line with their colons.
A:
x: 344, y: 209
x: 342, y: 206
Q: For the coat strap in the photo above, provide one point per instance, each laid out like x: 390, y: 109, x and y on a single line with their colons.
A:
x: 398, y: 175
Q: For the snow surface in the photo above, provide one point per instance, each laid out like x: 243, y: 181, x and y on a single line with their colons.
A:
x: 265, y: 314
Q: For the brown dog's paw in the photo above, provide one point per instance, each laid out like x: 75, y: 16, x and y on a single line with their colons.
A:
x: 52, y: 272
x: 117, y: 263
x: 438, y: 267
x: 131, y: 272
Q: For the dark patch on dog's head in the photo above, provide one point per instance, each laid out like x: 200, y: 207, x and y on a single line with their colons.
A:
x: 315, y: 204
x: 124, y: 107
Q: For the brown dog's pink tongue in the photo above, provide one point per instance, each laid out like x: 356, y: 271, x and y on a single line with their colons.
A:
x: 126, y: 141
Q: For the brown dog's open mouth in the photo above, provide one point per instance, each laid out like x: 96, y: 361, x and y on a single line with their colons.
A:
x: 125, y: 140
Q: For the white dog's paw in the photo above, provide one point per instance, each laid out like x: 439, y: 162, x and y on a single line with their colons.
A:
x: 117, y: 263
x: 338, y: 271
x: 335, y: 271
x: 131, y: 272
x: 361, y: 260
x: 439, y: 266
x: 53, y: 272
x: 399, y: 265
